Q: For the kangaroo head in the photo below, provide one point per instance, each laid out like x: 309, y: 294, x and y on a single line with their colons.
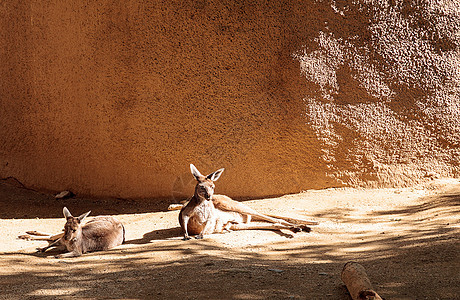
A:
x: 204, y: 188
x: 72, y: 227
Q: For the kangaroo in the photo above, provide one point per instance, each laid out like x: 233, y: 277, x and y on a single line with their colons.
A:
x: 100, y: 233
x: 199, y: 215
x: 207, y: 213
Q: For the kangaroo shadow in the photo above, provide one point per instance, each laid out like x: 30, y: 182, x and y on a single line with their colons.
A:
x: 156, y: 235
x: 52, y: 252
x: 175, y: 232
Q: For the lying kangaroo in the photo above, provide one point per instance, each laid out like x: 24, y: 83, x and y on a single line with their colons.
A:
x: 207, y: 213
x: 100, y: 233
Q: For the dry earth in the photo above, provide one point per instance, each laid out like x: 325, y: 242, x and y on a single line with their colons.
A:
x: 407, y: 239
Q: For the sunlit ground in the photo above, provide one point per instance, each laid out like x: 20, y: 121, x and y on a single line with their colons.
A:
x: 407, y: 239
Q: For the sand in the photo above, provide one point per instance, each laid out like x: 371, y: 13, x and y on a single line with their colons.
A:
x: 406, y: 238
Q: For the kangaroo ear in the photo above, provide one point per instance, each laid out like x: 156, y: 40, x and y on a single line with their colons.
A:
x: 215, y: 175
x: 66, y: 213
x: 196, y: 173
x: 83, y: 216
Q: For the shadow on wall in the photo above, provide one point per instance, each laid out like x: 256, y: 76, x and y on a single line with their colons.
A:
x: 149, y: 87
x: 116, y: 99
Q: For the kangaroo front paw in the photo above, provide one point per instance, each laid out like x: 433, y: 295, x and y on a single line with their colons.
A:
x: 186, y: 238
x: 199, y: 237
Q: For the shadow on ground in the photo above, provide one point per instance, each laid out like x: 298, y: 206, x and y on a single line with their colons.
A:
x: 201, y: 270
x: 418, y: 259
x: 34, y: 204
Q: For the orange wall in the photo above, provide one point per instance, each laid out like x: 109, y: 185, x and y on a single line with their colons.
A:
x: 117, y: 98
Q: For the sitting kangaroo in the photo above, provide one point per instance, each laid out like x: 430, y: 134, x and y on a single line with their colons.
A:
x: 207, y: 213
x: 100, y: 233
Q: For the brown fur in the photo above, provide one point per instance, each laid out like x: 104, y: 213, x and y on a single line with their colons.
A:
x: 99, y: 234
x: 199, y: 215
x: 207, y: 213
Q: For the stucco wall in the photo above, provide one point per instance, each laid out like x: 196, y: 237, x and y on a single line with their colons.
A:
x: 116, y: 98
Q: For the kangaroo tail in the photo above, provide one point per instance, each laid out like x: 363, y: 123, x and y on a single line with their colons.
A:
x: 295, y: 221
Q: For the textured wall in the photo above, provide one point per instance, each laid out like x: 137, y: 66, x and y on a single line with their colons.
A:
x: 116, y: 98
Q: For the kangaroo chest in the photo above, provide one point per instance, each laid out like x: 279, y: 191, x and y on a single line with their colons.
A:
x: 204, y: 211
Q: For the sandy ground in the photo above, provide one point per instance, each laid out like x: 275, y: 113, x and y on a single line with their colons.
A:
x: 407, y: 239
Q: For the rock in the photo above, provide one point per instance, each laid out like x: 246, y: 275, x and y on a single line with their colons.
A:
x: 64, y: 195
x: 276, y: 270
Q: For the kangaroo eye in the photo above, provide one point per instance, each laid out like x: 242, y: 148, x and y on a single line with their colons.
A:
x: 74, y: 230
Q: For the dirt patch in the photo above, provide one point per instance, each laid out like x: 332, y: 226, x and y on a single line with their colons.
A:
x: 407, y: 239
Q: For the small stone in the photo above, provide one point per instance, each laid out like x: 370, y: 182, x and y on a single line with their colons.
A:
x: 276, y: 270
x: 64, y: 195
